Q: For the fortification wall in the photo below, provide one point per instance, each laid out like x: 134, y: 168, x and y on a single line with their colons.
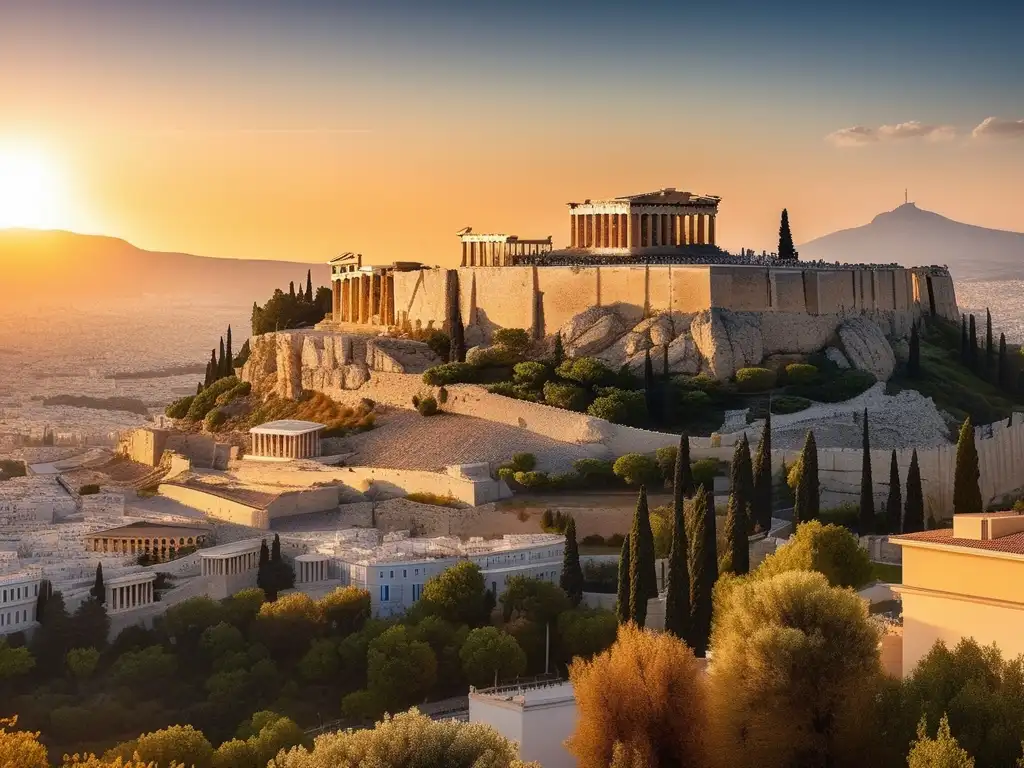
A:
x: 624, y: 288
x: 421, y: 296
x: 216, y: 506
x: 564, y: 293
x: 786, y: 291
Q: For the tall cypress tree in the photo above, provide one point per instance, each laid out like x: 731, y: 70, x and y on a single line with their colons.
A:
x: 55, y: 635
x: 622, y: 606
x: 1003, y: 378
x: 683, y: 463
x: 736, y: 518
x: 45, y: 590
x: 965, y: 355
x: 677, y: 597
x: 643, y: 578
x: 649, y: 395
x: 894, y: 502
x: 867, y: 486
x: 291, y: 289
x: 966, y: 486
x: 99, y: 591
x: 990, y: 349
x: 309, y: 286
x: 230, y: 354
x: 571, y: 579
x: 558, y: 355
x: 703, y: 571
x: 808, y: 489
x: 746, y: 480
x: 199, y: 387
x: 221, y: 362
x: 211, y: 368
x: 914, y: 360
x: 913, y: 512
x: 265, y: 575
x: 762, y: 500
x: 787, y: 251
x: 972, y: 344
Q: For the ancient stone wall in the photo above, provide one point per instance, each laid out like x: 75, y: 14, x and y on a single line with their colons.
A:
x: 624, y: 288
x: 421, y: 297
x: 564, y: 293
x: 496, y: 298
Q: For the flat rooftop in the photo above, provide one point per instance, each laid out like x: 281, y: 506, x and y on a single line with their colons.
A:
x: 286, y: 427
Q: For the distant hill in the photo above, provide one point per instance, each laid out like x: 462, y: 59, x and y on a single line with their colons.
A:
x: 911, y: 236
x: 48, y: 267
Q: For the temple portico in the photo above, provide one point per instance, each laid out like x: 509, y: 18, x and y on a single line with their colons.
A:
x: 285, y: 440
x: 312, y: 568
x: 126, y: 593
x: 663, y: 219
x: 480, y: 250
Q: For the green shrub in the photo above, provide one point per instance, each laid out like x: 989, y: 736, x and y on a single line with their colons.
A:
x: 615, y: 540
x: 179, y: 408
x: 694, y: 400
x: 516, y: 340
x: 637, y: 469
x: 789, y: 404
x: 506, y: 473
x: 587, y: 371
x: 449, y: 373
x: 845, y: 386
x: 487, y: 357
x: 515, y: 391
x: 666, y: 458
x: 442, y: 396
x: 705, y: 471
x: 594, y: 468
x: 214, y: 419
x: 89, y: 489
x: 427, y: 406
x: 439, y: 342
x: 241, y: 389
x: 620, y: 407
x: 555, y: 522
x: 563, y: 481
x: 801, y: 373
x: 533, y: 375
x: 205, y: 401
x: 755, y: 379
x: 531, y: 480
x: 699, y: 383
x: 593, y: 540
x: 567, y: 396
x: 523, y: 462
x: 846, y: 515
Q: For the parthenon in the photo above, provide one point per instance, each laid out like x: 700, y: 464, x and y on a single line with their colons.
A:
x: 666, y: 218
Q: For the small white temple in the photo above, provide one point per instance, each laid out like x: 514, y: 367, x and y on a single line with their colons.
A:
x: 286, y: 440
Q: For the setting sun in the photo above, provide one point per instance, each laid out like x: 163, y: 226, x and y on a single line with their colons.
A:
x: 30, y: 189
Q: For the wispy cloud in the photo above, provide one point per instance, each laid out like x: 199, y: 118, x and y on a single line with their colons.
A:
x: 861, y: 135
x: 997, y: 127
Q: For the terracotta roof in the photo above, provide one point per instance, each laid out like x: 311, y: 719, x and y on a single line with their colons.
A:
x: 140, y: 528
x: 1012, y: 544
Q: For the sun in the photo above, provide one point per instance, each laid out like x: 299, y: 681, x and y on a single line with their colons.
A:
x: 30, y: 188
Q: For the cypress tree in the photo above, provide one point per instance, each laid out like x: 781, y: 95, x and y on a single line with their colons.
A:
x: 990, y: 349
x: 761, y: 504
x: 914, y: 361
x: 55, y: 635
x: 572, y: 574
x: 677, y: 597
x: 965, y: 356
x: 867, y: 487
x: 787, y: 252
x: 1003, y: 377
x: 291, y: 289
x: 683, y: 463
x: 99, y: 591
x: 622, y: 608
x: 894, y: 502
x: 282, y: 573
x: 736, y: 518
x: 649, y: 396
x: 807, y: 490
x: 309, y: 286
x: 212, y: 368
x: 221, y: 362
x: 703, y: 571
x: 746, y: 480
x: 199, y: 387
x: 45, y: 590
x: 264, y: 575
x: 966, y: 488
x: 913, y: 511
x: 972, y: 344
x: 643, y: 579
x: 230, y: 355
x: 559, y: 353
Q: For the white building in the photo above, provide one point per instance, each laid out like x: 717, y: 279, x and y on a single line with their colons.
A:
x: 285, y: 440
x: 538, y: 716
x: 395, y: 572
x: 129, y: 592
x: 18, y: 594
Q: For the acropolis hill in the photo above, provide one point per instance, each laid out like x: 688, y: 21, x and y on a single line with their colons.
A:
x: 641, y: 273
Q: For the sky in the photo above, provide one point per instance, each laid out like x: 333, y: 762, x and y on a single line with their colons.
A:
x: 301, y: 130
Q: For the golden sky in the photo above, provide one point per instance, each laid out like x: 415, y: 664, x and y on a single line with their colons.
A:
x: 256, y: 131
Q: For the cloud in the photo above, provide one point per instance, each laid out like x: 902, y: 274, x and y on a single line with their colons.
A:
x: 861, y: 135
x: 997, y: 127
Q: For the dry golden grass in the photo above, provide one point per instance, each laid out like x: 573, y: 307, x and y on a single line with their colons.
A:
x: 312, y: 406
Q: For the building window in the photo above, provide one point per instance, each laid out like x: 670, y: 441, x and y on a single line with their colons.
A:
x: 382, y: 574
x: 417, y: 571
x: 391, y: 574
x: 405, y: 574
x: 385, y: 593
x: 417, y: 590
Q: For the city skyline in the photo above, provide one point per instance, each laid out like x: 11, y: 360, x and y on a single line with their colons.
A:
x: 260, y: 131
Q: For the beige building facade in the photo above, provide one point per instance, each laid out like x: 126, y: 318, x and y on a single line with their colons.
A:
x: 285, y: 440
x: 666, y: 218
x: 161, y: 541
x: 967, y: 581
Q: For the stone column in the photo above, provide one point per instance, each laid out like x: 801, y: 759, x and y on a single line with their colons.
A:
x: 335, y: 300
x: 364, y: 299
x: 701, y: 233
x: 711, y: 229
x: 692, y: 229
x: 581, y: 231
x: 632, y: 227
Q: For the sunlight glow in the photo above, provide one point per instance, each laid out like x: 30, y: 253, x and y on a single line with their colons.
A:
x: 30, y: 188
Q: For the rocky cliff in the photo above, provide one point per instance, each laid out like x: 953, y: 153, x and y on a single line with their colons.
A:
x: 718, y: 342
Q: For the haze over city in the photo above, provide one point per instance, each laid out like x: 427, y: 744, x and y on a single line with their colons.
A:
x: 297, y: 131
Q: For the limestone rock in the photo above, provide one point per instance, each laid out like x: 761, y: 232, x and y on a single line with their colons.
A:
x: 399, y: 355
x: 867, y: 348
x: 578, y: 324
x: 599, y: 336
x: 636, y: 342
x: 836, y: 356
x: 796, y: 333
x: 727, y: 340
x: 901, y: 348
x: 662, y: 330
x: 615, y: 356
x: 683, y: 356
